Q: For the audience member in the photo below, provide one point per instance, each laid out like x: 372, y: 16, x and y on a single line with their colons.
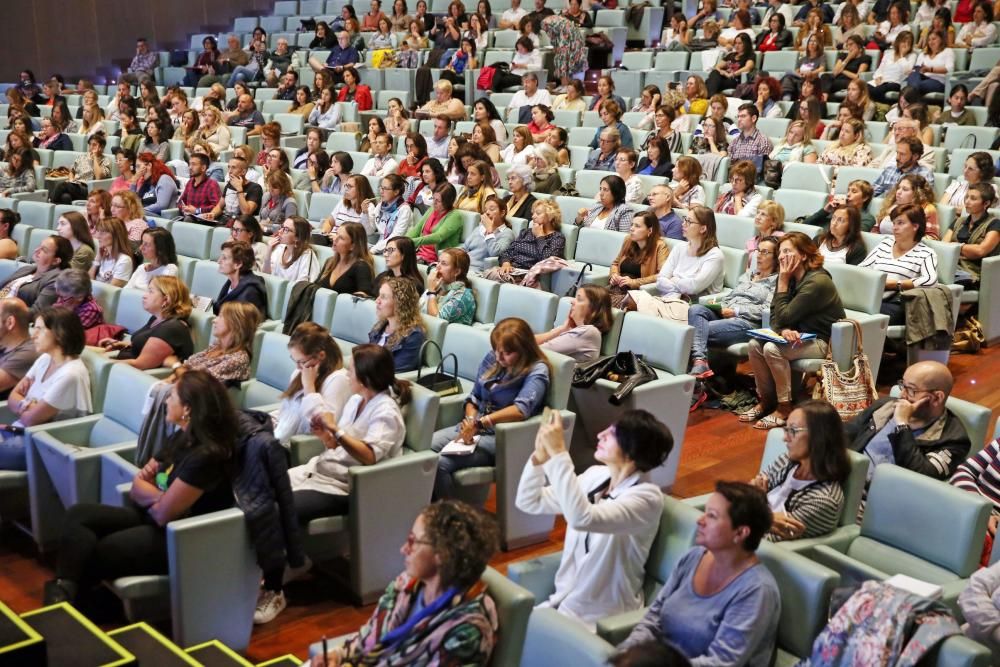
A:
x: 35, y: 284
x: 113, y: 261
x: 201, y: 193
x: 242, y: 285
x: 17, y: 349
x: 444, y: 104
x: 449, y: 294
x: 841, y: 242
x: 399, y: 327
x: 581, y: 335
x: 72, y: 226
x: 611, y: 212
x: 730, y: 600
x: 439, y: 228
x: 292, y: 256
x: 511, y: 386
x: 493, y: 235
x: 531, y: 95
x: 160, y: 254
x: 143, y: 65
x: 167, y: 333
x: 535, y: 243
x: 608, y: 539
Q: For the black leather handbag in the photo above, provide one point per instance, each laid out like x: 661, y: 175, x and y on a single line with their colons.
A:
x: 440, y: 382
x: 628, y: 369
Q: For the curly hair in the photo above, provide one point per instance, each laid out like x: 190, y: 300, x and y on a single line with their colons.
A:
x: 464, y: 539
x: 406, y: 304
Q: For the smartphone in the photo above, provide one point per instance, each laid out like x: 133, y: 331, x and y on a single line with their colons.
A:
x: 9, y: 428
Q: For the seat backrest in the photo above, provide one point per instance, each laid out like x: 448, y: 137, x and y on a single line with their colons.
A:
x: 273, y: 365
x: 324, y: 304
x: 947, y: 259
x: 420, y: 416
x: 36, y: 214
x: 513, y: 605
x: 353, y: 318
x: 201, y: 329
x: 664, y: 344
x: 921, y: 516
x: 487, y: 293
x: 859, y: 288
x: 470, y: 345
x: 535, y: 307
x: 191, y: 239
x: 130, y: 313
x: 277, y: 295
x: 733, y: 231
x: 560, y: 381
x: 124, y: 398
x: 206, y: 280
x: 805, y: 587
x: 107, y: 296
x: 674, y: 538
x: 598, y: 246
x: 735, y: 262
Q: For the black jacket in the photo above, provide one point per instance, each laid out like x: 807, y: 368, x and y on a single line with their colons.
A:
x: 264, y: 493
x: 250, y: 288
x: 936, y: 452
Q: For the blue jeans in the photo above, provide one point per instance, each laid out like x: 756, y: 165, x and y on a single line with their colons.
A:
x: 13, y: 454
x: 444, y: 484
x: 242, y: 73
x: 924, y: 84
x: 710, y: 328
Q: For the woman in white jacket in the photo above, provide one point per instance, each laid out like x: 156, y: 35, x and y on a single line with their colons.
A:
x: 326, y: 113
x: 319, y: 383
x: 612, y: 512
x: 895, y: 66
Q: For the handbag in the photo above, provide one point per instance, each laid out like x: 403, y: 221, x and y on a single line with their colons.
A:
x: 440, y: 382
x: 851, y: 392
x: 485, y: 80
x: 628, y: 369
x: 571, y: 292
x: 969, y: 337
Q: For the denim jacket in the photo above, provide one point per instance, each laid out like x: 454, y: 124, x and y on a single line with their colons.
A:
x: 527, y: 391
x: 406, y: 351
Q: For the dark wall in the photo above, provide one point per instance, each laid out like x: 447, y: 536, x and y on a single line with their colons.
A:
x: 77, y: 37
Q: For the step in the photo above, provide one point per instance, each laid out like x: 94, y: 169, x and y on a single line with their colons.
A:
x: 217, y: 654
x: 284, y: 661
x: 20, y: 644
x: 150, y: 647
x: 73, y: 641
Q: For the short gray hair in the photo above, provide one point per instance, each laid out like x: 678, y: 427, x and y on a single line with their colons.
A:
x: 523, y: 172
x: 73, y: 283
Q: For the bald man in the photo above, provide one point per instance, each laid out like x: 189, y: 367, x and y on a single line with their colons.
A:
x: 916, y: 430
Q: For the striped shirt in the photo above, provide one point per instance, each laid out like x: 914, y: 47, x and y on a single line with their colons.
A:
x: 980, y: 474
x: 919, y: 264
x: 818, y: 505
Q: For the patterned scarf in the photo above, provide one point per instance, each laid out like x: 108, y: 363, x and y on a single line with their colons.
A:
x: 387, y: 215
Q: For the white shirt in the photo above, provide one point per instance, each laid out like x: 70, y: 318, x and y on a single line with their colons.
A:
x: 513, y: 16
x: 113, y: 268
x: 893, y: 69
x: 142, y: 276
x: 521, y: 99
x: 509, y: 156
x: 833, y: 256
x: 67, y: 389
x: 294, y: 415
x: 956, y: 193
x: 379, y: 425
x: 607, y: 542
x: 779, y: 495
x: 306, y: 267
x: 379, y: 166
x: 328, y: 120
x: 684, y: 273
x: 944, y: 59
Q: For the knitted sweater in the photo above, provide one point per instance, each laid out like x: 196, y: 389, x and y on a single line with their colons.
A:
x: 818, y: 505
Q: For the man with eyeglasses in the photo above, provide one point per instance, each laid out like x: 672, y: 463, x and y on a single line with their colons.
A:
x: 915, y: 431
x: 661, y: 201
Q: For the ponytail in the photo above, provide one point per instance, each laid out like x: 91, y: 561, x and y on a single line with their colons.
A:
x: 401, y: 392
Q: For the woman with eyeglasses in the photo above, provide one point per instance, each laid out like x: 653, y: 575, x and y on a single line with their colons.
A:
x: 451, y: 618
x: 400, y: 262
x: 247, y: 230
x: 726, y: 321
x: 608, y: 539
x: 236, y: 262
x: 805, y: 301
x: 804, y: 486
x: 742, y: 197
x: 292, y: 256
x: 352, y: 207
x: 416, y: 156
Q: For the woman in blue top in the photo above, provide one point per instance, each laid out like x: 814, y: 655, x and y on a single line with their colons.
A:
x: 720, y: 606
x: 399, y: 327
x: 463, y: 58
x: 511, y: 385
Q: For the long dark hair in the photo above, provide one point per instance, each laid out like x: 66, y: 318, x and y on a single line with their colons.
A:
x: 374, y: 369
x: 212, y: 425
x: 853, y: 237
x: 166, y: 251
x: 632, y: 249
x: 827, y: 442
x: 408, y: 251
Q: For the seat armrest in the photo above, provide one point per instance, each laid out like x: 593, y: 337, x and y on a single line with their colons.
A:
x: 303, y: 448
x: 848, y: 568
x: 71, y: 432
x: 536, y: 575
x: 616, y: 629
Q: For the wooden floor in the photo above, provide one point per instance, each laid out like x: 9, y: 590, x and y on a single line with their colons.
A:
x: 716, y: 446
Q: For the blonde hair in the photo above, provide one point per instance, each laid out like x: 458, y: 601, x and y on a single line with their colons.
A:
x: 550, y: 209
x: 550, y: 155
x: 406, y: 304
x: 775, y: 211
x: 177, y: 295
x: 216, y: 117
x: 132, y: 203
x: 242, y: 319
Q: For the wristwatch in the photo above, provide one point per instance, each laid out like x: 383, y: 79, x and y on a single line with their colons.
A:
x: 339, y: 434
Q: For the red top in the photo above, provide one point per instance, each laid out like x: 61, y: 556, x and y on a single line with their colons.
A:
x: 362, y: 96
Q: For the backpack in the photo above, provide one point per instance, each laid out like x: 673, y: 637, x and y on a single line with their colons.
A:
x: 485, y: 80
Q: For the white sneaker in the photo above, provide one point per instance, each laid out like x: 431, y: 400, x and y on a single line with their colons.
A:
x: 269, y: 605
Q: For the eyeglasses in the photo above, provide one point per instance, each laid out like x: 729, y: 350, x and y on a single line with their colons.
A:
x: 238, y: 230
x: 764, y: 252
x: 910, y: 390
x: 792, y: 431
x: 290, y: 230
x: 302, y: 363
x: 412, y: 540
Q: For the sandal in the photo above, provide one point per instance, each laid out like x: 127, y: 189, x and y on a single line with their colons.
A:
x: 753, y: 414
x: 773, y: 420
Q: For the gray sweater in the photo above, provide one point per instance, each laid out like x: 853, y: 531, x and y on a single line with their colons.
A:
x: 481, y: 248
x: 736, y: 626
x: 980, y: 604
